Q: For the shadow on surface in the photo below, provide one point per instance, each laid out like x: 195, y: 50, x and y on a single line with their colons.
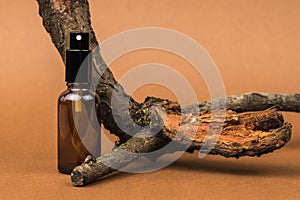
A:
x: 293, y: 144
x: 236, y: 167
x: 111, y: 177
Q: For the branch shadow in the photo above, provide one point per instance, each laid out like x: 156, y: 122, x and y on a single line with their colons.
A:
x: 293, y: 144
x: 111, y: 177
x: 237, y: 168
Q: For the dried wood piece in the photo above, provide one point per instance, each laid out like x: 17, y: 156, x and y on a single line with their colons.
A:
x: 252, y: 102
x: 243, y: 134
x: 60, y: 17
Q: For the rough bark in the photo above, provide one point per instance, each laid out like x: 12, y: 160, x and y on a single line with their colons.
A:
x: 60, y: 17
x: 243, y: 134
x: 93, y: 169
x: 253, y: 101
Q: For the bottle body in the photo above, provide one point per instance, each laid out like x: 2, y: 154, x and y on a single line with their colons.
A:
x: 78, y: 126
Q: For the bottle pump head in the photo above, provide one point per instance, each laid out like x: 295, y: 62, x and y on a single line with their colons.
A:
x: 78, y: 63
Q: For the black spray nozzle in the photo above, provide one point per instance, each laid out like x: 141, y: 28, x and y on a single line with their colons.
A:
x: 79, y: 40
x: 78, y: 62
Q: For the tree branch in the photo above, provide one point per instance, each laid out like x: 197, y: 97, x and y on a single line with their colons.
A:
x: 244, y: 134
x: 60, y: 17
x: 253, y: 101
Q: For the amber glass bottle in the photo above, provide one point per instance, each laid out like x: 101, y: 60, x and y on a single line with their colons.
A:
x: 78, y: 127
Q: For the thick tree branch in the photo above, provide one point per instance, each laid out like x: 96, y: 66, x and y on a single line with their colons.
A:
x: 244, y: 134
x: 60, y: 17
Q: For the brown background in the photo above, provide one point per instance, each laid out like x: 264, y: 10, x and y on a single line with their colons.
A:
x: 255, y: 43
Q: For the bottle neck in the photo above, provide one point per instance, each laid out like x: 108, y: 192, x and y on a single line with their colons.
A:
x: 78, y: 85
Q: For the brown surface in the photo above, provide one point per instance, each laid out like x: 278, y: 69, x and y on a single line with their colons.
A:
x: 255, y: 44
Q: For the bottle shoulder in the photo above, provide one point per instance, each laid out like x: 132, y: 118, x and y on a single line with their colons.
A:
x: 77, y: 95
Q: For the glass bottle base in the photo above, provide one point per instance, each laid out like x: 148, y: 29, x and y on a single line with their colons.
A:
x: 66, y: 171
